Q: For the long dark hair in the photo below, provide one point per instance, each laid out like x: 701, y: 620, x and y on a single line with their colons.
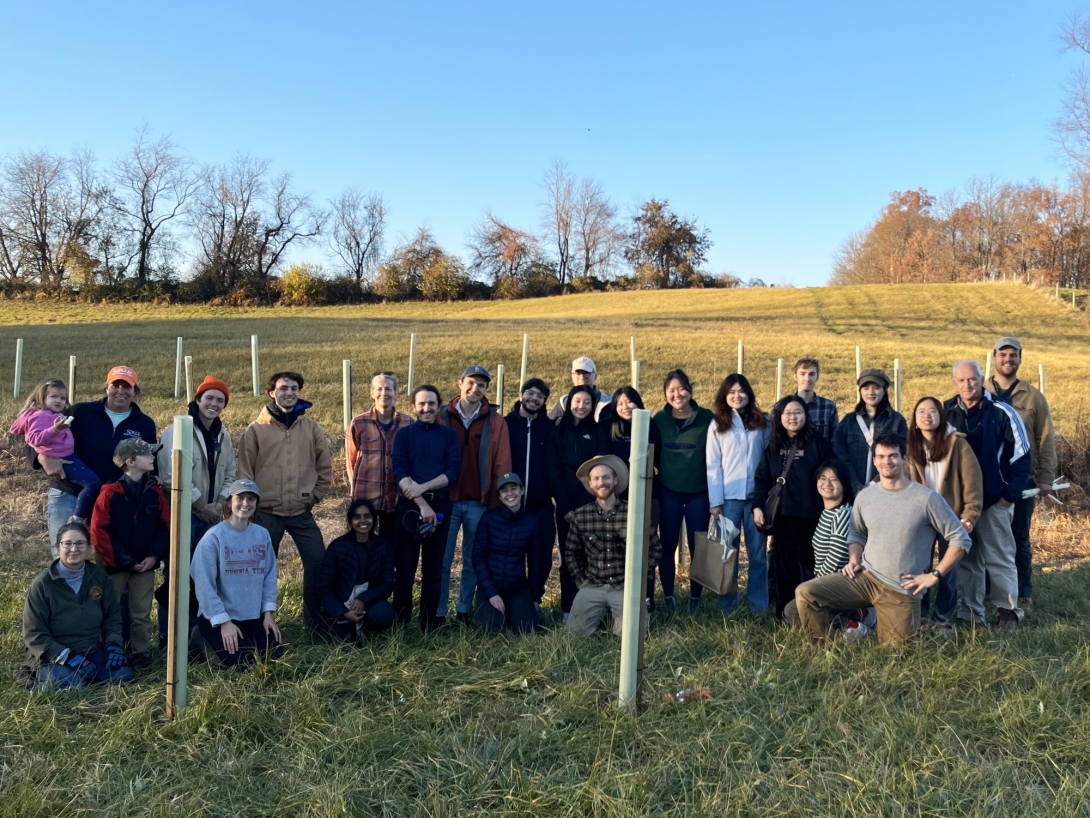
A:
x: 842, y: 474
x: 780, y: 439
x: 354, y: 506
x: 569, y: 419
x: 861, y: 407
x: 752, y: 417
x: 940, y: 446
x: 619, y: 428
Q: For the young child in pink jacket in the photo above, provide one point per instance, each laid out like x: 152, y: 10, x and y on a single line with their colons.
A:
x: 44, y: 424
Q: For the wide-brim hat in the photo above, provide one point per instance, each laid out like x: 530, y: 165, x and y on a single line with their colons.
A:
x: 611, y: 460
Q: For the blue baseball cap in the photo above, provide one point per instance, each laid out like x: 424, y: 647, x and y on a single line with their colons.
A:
x: 476, y: 371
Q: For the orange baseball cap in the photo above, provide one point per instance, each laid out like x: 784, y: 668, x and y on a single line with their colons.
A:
x: 121, y: 373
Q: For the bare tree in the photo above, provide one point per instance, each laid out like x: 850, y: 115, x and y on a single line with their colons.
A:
x: 599, y: 239
x: 558, y: 213
x: 359, y: 224
x: 1072, y: 127
x: 154, y: 185
x: 503, y: 254
x: 288, y: 218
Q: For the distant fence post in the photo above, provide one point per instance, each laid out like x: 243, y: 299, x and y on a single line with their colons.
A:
x: 412, y: 362
x: 741, y: 355
x: 858, y: 361
x: 897, y: 381
x: 1041, y: 378
x: 188, y: 378
x: 346, y: 392
x: 525, y: 371
x: 178, y: 369
x: 71, y: 379
x: 988, y: 367
x: 631, y: 348
x: 779, y: 379
x: 499, y: 387
x: 254, y: 365
x: 18, y: 366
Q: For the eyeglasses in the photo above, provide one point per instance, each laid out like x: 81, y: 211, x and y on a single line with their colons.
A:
x: 78, y: 545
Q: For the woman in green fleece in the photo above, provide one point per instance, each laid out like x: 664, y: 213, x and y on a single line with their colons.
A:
x: 683, y: 476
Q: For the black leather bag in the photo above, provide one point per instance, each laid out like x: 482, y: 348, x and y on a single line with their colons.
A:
x: 772, y: 503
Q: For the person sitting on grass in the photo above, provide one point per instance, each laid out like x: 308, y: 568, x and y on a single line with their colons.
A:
x: 894, y: 525
x: 595, y: 548
x: 357, y: 578
x: 234, y: 573
x: 72, y: 620
x: 505, y: 559
x: 130, y: 530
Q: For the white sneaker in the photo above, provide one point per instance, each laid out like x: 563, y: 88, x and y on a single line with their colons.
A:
x: 854, y: 632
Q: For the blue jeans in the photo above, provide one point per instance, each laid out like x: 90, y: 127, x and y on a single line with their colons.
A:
x: 946, y: 592
x: 59, y: 506
x: 79, y: 473
x: 740, y: 512
x: 694, y: 508
x: 465, y: 515
x: 64, y: 676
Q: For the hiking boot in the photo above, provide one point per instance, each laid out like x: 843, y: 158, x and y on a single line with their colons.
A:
x: 694, y: 603
x: 1008, y: 620
x: 853, y: 632
x: 671, y: 605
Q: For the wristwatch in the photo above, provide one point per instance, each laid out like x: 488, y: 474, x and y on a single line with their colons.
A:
x: 937, y: 573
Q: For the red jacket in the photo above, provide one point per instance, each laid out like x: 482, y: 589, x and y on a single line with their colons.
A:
x: 126, y: 529
x: 484, y: 458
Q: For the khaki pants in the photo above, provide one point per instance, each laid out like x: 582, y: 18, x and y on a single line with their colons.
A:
x: 993, y: 552
x: 898, y: 614
x: 141, y: 591
x: 590, y: 605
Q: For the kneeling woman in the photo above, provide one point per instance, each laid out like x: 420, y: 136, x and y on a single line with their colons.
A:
x: 504, y: 556
x: 72, y: 620
x: 357, y: 578
x: 234, y: 574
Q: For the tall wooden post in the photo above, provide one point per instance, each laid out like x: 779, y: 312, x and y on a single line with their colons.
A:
x: 178, y: 590
x: 499, y: 387
x: 412, y: 362
x: 178, y: 368
x: 525, y: 371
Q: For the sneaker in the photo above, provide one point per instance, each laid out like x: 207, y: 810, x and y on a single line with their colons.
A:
x: 1008, y: 620
x: 139, y: 661
x: 869, y: 618
x: 853, y: 632
x: 564, y: 619
x: 671, y: 605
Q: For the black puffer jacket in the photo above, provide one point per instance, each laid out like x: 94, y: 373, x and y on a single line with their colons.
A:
x: 348, y: 563
x: 505, y: 552
x: 800, y: 497
x: 571, y: 447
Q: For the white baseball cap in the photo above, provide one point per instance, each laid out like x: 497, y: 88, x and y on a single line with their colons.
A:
x: 583, y: 364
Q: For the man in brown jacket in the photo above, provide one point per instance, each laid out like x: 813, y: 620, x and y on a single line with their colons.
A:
x: 1032, y: 407
x: 287, y: 455
x: 486, y: 455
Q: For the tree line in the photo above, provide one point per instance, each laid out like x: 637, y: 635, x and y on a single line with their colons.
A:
x: 153, y: 223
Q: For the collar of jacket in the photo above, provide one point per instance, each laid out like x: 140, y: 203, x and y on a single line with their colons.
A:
x: 689, y: 420
x: 212, y: 431
x: 512, y: 516
x: 283, y: 418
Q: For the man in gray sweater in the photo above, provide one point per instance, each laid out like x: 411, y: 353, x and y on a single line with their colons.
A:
x: 894, y: 526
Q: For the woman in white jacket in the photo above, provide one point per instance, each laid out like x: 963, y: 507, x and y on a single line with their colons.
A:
x: 736, y: 439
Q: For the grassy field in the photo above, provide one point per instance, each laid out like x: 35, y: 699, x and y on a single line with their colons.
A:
x: 459, y: 724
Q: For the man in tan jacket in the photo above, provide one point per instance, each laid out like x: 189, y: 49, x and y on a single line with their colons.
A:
x: 287, y: 455
x: 1032, y: 407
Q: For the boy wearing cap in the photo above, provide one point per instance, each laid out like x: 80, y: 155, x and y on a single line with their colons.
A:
x: 287, y: 455
x: 583, y: 373
x: 486, y: 454
x: 506, y: 558
x: 97, y: 427
x: 130, y: 532
x: 1031, y: 406
x: 595, y: 550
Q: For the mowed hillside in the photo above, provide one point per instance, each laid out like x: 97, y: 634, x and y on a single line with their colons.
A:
x: 927, y: 326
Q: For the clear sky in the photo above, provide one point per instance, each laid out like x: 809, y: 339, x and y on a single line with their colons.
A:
x: 782, y: 127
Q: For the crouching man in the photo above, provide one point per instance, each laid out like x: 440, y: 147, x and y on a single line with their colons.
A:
x: 894, y: 526
x: 595, y: 549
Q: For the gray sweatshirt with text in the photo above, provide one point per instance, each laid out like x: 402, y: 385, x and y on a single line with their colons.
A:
x: 234, y: 573
x: 897, y: 529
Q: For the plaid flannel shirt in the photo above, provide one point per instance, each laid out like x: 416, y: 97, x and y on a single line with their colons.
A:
x: 822, y: 413
x: 595, y: 549
x: 369, y: 449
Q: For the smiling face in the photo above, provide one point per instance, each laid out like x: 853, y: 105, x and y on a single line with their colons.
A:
x: 678, y: 395
x: 55, y: 399
x: 624, y: 407
x: 888, y: 461
x: 1006, y: 361
x: 872, y: 395
x: 511, y: 496
x: 119, y: 396
x: 72, y: 548
x: 363, y: 522
x: 383, y: 393
x: 533, y: 400
x: 793, y: 418
x: 580, y: 377
x: 602, y: 481
x: 829, y: 486
x: 243, y: 505
x: 472, y: 388
x: 582, y: 405
x: 286, y: 394
x: 928, y: 416
x: 210, y: 404
x: 737, y: 399
x: 425, y: 406
x: 806, y: 378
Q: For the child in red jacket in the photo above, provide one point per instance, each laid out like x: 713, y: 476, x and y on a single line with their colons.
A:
x: 130, y: 531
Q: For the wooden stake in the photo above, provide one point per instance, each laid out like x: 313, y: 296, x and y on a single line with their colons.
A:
x: 987, y: 367
x: 18, y: 366
x: 254, y: 365
x: 858, y: 362
x: 897, y: 378
x: 741, y: 355
x: 525, y: 371
x: 178, y: 589
x: 188, y: 378
x: 1041, y: 378
x: 779, y: 379
x: 72, y: 379
x: 499, y: 387
x: 632, y: 347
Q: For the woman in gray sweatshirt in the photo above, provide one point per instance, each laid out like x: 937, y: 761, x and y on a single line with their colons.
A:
x: 234, y: 574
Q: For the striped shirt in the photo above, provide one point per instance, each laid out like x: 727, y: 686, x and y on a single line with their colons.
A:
x: 369, y: 449
x: 831, y: 540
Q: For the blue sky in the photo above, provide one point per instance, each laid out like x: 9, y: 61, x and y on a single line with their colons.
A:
x: 780, y: 127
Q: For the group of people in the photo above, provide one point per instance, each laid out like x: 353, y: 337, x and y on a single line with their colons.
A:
x: 858, y: 509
